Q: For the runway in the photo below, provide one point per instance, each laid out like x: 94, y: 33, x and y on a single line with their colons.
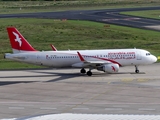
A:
x: 108, y: 16
x: 44, y: 91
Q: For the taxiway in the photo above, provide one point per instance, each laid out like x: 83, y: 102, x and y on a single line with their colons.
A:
x: 108, y: 16
x: 46, y: 91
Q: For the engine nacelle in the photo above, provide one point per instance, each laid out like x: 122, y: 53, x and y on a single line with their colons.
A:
x: 109, y: 68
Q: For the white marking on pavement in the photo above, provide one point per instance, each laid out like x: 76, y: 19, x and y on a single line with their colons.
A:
x: 119, y: 106
x: 146, y: 109
x: 18, y: 108
x: 113, y: 108
x: 80, y: 108
x: 47, y: 108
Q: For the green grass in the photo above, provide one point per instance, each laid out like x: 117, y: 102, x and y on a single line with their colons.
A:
x: 147, y: 13
x: 72, y: 34
x: 43, y: 6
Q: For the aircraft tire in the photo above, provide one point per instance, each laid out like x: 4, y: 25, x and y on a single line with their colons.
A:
x: 83, y: 70
x: 136, y: 71
x: 89, y: 73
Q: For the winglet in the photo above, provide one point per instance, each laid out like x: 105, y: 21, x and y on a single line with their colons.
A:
x: 53, y: 48
x: 81, y: 57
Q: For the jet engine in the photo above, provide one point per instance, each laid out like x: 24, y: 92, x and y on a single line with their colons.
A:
x: 109, y: 68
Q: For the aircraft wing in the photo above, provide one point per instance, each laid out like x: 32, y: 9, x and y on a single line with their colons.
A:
x: 98, y: 62
x: 86, y: 63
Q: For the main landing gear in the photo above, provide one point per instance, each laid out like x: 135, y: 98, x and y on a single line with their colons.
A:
x: 83, y: 70
x: 136, y: 69
x: 89, y: 73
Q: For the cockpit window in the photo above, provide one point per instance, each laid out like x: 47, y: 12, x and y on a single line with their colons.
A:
x: 147, y: 54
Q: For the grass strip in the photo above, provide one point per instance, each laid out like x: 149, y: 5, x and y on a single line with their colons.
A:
x: 74, y: 34
x: 147, y: 13
x: 7, y: 7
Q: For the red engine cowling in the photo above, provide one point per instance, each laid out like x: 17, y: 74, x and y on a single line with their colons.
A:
x: 109, y: 68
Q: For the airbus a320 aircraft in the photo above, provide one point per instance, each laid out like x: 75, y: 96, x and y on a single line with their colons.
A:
x: 106, y: 60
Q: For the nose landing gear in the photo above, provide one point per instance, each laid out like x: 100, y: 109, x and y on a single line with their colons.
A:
x: 136, y: 69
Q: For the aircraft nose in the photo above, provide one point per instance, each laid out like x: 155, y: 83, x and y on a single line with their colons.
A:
x: 154, y: 58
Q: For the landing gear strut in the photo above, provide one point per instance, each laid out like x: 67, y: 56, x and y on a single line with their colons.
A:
x: 136, y: 69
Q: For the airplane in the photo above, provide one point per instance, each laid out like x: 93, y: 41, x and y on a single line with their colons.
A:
x: 74, y: 116
x: 106, y: 60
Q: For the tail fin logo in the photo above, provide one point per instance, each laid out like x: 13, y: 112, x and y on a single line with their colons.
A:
x: 113, y: 68
x: 18, y: 39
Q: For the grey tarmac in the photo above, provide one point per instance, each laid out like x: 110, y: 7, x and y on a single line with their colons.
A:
x: 48, y: 91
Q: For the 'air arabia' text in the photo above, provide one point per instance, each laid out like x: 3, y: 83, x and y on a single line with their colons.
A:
x: 121, y: 55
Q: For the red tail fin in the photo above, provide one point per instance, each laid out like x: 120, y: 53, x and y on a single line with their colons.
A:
x: 18, y: 42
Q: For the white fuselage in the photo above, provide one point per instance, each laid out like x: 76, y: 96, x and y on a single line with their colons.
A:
x: 61, y: 59
x: 71, y: 116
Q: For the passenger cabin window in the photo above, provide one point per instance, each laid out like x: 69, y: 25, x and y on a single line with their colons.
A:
x: 147, y: 54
